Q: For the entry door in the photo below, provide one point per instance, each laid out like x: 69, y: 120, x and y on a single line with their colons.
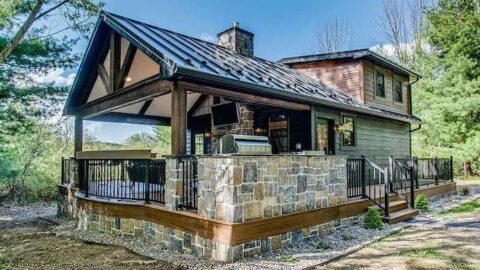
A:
x: 325, y: 140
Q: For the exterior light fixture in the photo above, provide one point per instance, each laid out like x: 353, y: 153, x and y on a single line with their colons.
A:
x: 128, y: 79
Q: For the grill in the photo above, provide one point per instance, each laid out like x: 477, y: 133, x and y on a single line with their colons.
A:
x: 243, y: 144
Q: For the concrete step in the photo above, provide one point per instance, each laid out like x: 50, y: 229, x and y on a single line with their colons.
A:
x: 399, y: 216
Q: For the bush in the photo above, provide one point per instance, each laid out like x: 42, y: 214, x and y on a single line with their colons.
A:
x: 373, y: 219
x: 421, y: 202
x: 465, y: 191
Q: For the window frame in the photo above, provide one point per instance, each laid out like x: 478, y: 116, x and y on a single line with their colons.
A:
x: 353, y: 132
x: 397, y: 80
x: 376, y: 84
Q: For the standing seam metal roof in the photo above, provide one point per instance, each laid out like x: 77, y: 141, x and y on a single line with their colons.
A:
x: 181, y: 52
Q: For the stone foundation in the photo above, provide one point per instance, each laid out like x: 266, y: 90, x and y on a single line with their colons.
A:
x: 193, y: 244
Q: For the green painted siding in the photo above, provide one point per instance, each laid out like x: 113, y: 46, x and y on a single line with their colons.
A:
x: 375, y: 138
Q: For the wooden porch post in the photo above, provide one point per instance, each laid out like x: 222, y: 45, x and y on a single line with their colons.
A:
x: 78, y: 135
x: 179, y: 120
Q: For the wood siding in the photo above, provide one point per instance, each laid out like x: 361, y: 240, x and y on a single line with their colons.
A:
x: 342, y: 75
x: 375, y: 138
x: 386, y: 102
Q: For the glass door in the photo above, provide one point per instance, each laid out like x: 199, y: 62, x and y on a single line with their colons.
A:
x: 324, y: 136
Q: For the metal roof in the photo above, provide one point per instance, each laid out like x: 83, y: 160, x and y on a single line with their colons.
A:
x: 191, y: 57
x: 352, y: 54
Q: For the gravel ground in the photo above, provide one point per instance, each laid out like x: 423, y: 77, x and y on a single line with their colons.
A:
x: 342, y: 241
x: 22, y: 215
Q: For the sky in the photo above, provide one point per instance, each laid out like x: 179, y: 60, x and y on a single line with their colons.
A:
x: 282, y: 28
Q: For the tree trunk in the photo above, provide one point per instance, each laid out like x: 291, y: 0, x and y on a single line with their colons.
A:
x: 12, y: 44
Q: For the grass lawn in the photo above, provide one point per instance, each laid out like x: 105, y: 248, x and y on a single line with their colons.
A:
x: 464, y: 208
x: 468, y: 181
x: 417, y: 248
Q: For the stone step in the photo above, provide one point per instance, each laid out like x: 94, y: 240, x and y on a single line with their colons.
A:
x: 399, y: 216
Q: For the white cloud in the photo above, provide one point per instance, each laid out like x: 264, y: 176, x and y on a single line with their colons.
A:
x: 56, y: 76
x: 208, y: 37
x: 92, y: 127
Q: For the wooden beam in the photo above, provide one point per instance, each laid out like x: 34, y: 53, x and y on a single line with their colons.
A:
x: 94, y: 74
x: 140, y: 91
x: 126, y: 65
x: 114, y: 59
x: 179, y: 120
x: 145, y: 107
x: 150, y: 120
x: 78, y: 135
x: 238, y: 96
x: 102, y: 73
x: 197, y: 104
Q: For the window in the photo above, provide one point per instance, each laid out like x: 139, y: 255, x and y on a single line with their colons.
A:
x: 348, y: 131
x: 380, y: 89
x: 397, y: 91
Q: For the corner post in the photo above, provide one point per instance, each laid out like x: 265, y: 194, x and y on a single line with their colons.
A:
x: 387, y: 192
x: 179, y: 120
x: 412, y: 189
x: 78, y: 135
x: 451, y: 168
x: 146, y: 183
x: 364, y: 176
x: 415, y: 168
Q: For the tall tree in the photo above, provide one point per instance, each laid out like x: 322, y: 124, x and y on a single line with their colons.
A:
x: 448, y: 97
x: 402, y: 23
x: 333, y: 36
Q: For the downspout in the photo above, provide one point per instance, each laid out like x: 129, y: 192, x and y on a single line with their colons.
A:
x: 411, y: 111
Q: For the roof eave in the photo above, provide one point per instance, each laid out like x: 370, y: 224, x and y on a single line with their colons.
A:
x: 202, y: 77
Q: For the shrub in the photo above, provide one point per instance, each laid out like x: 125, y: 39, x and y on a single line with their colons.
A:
x: 322, y: 246
x: 373, y: 219
x: 465, y: 191
x: 421, y: 202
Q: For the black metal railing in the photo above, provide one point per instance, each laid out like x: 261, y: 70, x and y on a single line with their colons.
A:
x: 355, y: 177
x: 403, y: 180
x: 67, y: 171
x: 427, y: 171
x: 188, y: 167
x: 123, y: 179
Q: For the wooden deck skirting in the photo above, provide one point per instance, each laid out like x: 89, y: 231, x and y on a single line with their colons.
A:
x: 223, y: 232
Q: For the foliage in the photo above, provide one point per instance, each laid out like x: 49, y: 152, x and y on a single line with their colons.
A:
x: 373, y: 219
x: 421, y: 202
x: 33, y: 137
x: 463, y: 208
x: 424, y: 252
x: 465, y: 191
x: 322, y: 246
x: 447, y: 99
x: 289, y: 259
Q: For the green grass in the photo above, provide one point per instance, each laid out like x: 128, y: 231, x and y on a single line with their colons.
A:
x: 289, y: 259
x: 463, y: 208
x: 428, y: 252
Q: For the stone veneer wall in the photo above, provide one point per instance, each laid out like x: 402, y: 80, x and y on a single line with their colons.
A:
x: 236, y: 189
x: 242, y: 188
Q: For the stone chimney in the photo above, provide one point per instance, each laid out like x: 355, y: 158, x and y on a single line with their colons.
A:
x: 237, y: 39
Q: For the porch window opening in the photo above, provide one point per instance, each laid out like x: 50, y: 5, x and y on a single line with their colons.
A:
x: 380, y: 84
x: 278, y: 133
x: 348, y: 131
x: 199, y: 144
x: 398, y: 91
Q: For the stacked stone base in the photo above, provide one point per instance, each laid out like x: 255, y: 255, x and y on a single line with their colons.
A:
x: 184, y: 242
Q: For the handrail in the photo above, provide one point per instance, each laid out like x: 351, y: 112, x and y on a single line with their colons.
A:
x: 375, y: 165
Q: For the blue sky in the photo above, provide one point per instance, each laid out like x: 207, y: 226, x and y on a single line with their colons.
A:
x: 282, y: 28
